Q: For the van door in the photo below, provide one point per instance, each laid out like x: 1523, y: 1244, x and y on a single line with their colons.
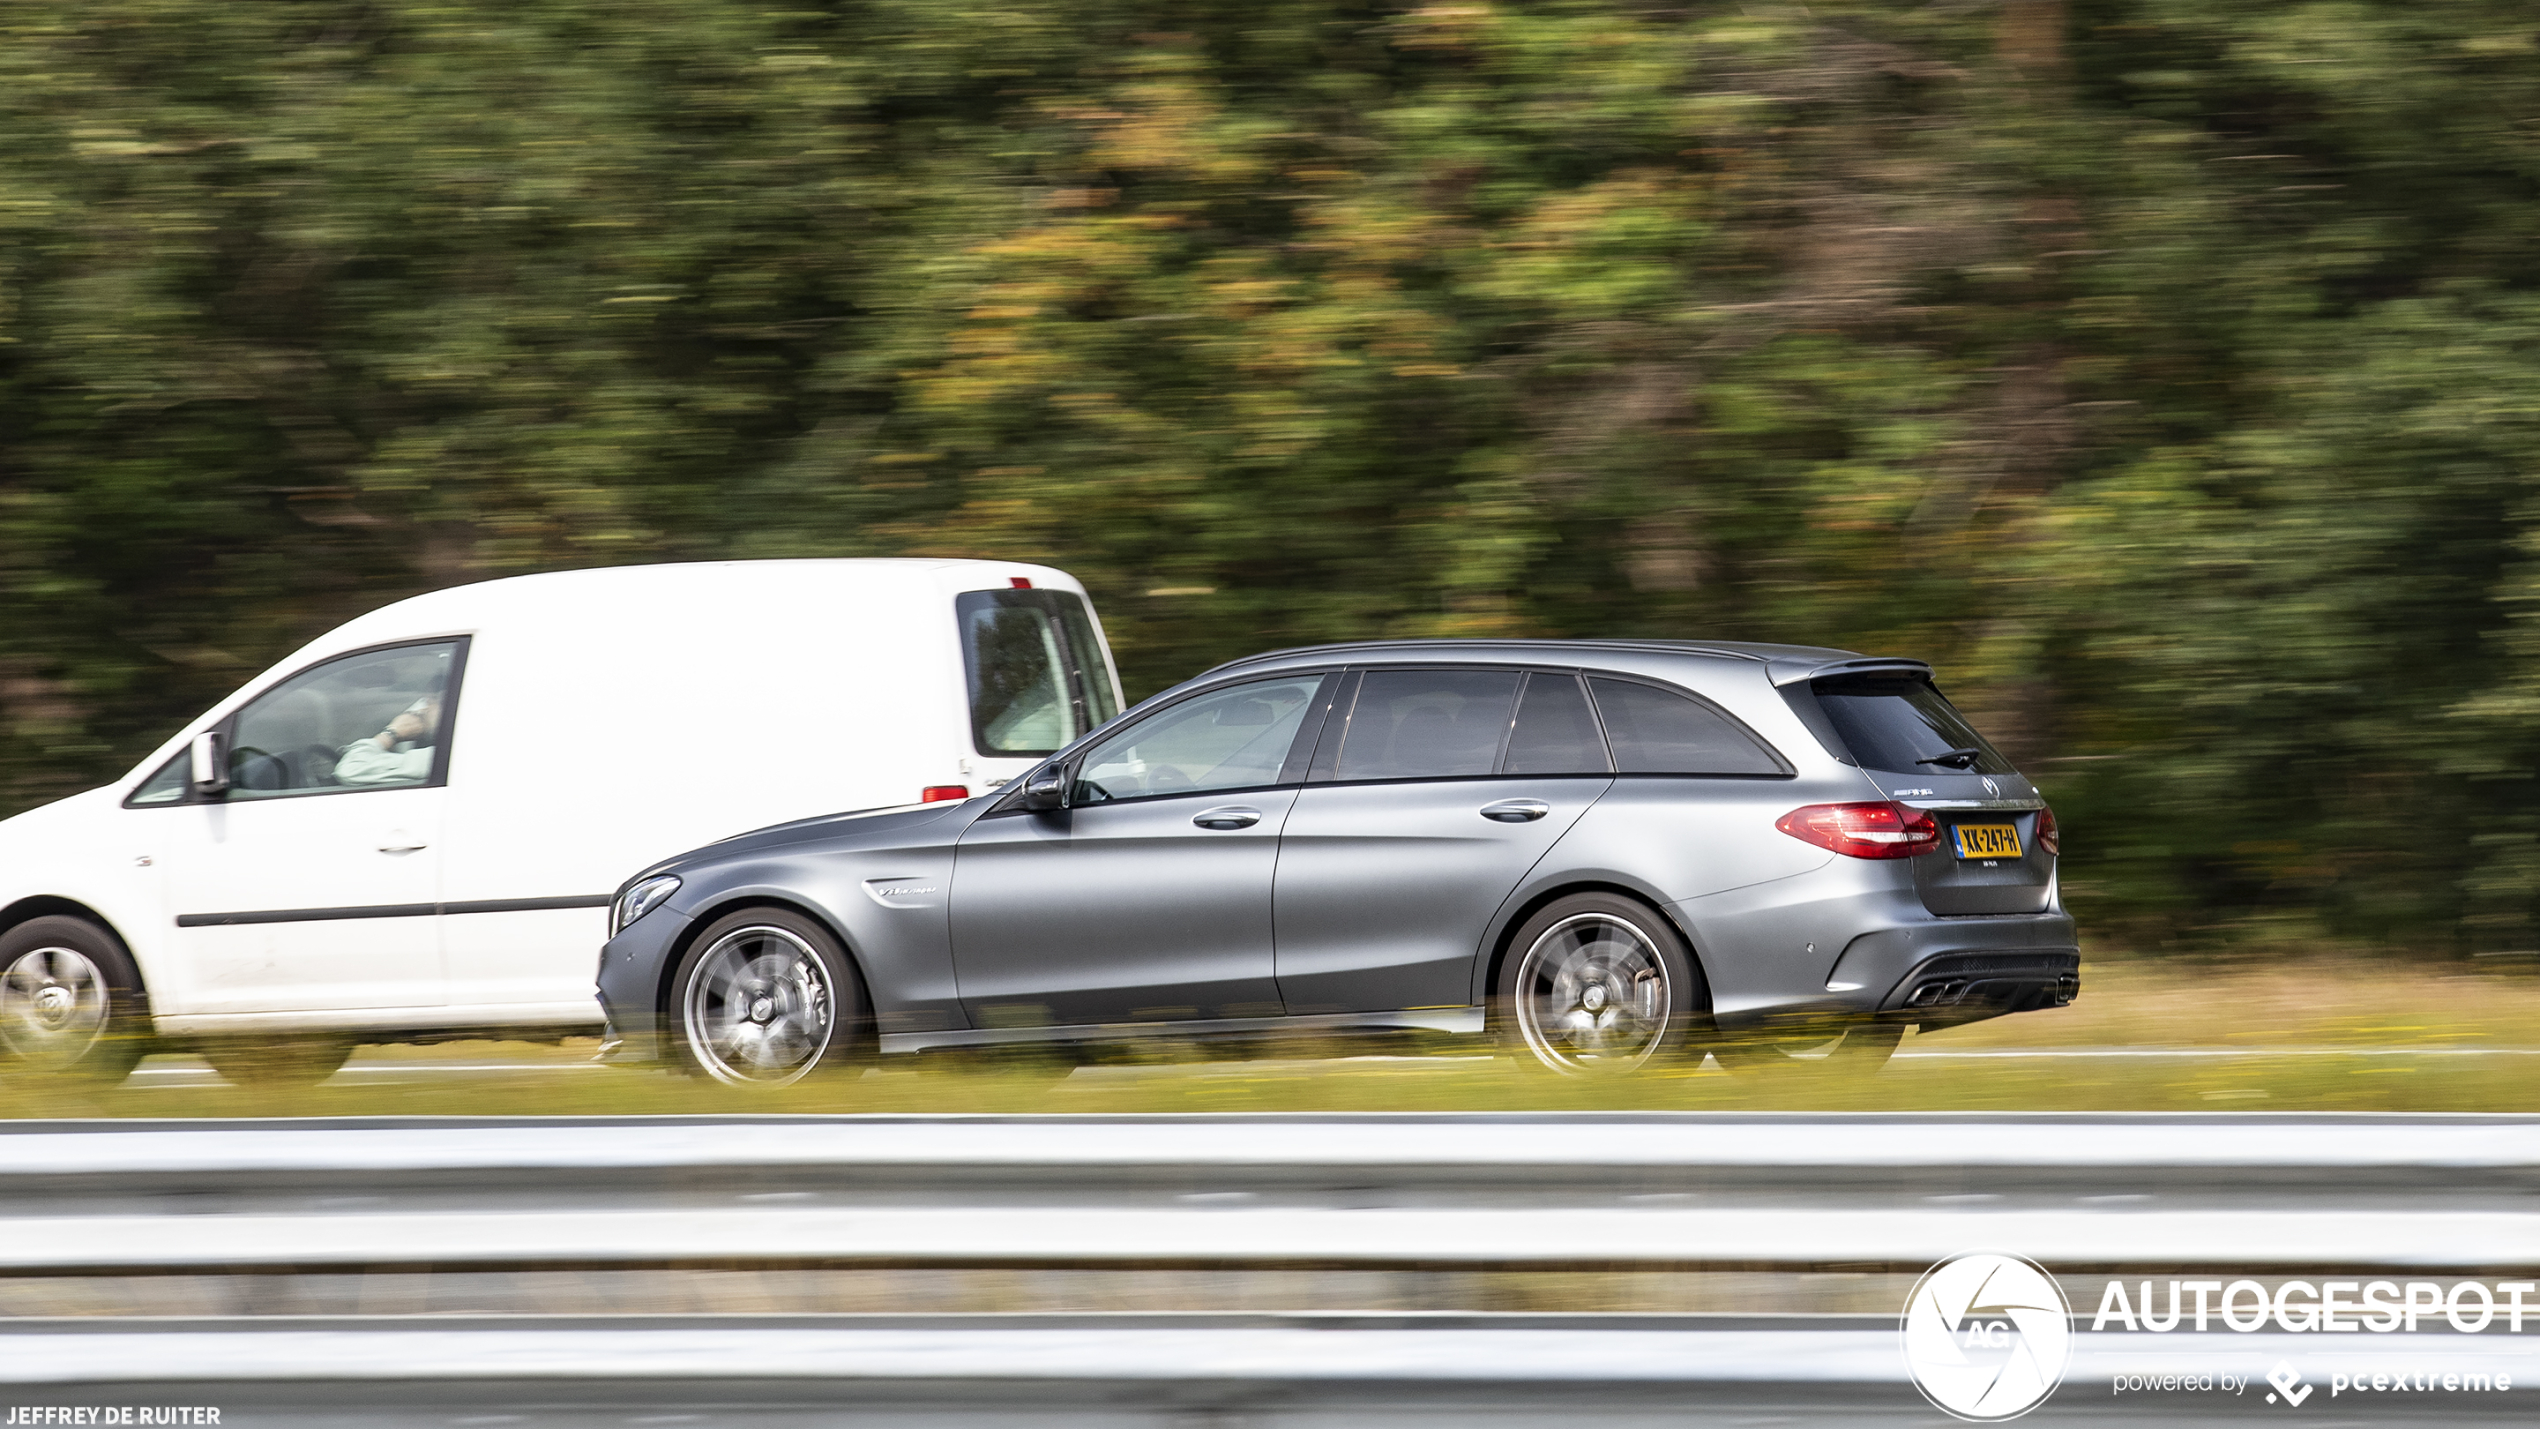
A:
x: 312, y: 885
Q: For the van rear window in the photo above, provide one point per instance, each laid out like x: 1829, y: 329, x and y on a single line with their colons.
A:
x: 1037, y: 676
x: 1901, y: 724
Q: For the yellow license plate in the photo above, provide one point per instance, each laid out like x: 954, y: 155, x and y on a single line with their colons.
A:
x: 1988, y: 841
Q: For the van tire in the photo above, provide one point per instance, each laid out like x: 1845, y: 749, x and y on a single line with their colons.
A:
x: 275, y: 1061
x: 764, y: 998
x: 70, y: 1003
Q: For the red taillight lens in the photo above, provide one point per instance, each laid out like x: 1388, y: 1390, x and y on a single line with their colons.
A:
x: 2048, y: 836
x: 938, y: 793
x: 1864, y: 830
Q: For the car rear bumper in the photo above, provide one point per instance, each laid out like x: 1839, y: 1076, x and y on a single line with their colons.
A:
x: 1953, y: 970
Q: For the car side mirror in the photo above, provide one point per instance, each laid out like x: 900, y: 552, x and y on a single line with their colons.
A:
x: 1046, y: 791
x: 207, y: 769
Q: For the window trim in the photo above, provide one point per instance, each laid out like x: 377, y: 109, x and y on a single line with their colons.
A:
x: 226, y: 727
x: 1291, y: 768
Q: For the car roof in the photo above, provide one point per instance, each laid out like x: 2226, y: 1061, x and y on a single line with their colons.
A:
x: 1537, y: 651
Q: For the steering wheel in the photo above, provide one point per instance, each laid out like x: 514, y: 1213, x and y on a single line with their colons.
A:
x: 317, y: 766
x: 1167, y: 780
x: 253, y: 768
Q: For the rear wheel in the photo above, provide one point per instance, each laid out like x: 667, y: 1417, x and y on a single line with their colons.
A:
x: 763, y: 999
x: 1597, y: 985
x: 69, y: 1002
x: 1857, y: 1050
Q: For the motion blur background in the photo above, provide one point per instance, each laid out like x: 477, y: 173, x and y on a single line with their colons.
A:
x: 2163, y: 371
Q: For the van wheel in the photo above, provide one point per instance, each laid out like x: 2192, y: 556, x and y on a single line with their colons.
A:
x: 275, y: 1061
x: 1857, y: 1050
x: 69, y: 1002
x: 1598, y: 985
x: 765, y: 998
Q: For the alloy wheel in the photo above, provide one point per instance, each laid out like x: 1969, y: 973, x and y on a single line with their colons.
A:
x: 1592, y: 996
x: 759, y: 1009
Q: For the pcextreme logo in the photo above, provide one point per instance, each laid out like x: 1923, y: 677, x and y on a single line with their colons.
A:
x: 1987, y: 1336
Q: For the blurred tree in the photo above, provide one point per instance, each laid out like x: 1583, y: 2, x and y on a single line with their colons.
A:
x: 2160, y: 370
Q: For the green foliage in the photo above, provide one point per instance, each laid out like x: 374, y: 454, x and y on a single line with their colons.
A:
x: 2160, y: 370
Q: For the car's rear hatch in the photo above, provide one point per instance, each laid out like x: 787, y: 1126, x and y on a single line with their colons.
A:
x: 1890, y: 720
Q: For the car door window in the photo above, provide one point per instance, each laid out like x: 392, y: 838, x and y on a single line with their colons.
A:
x: 1427, y: 724
x: 1555, y: 732
x: 376, y: 720
x: 1655, y: 731
x: 1235, y: 738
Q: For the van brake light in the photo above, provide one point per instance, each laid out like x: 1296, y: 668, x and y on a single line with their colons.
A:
x: 1869, y: 830
x: 938, y: 793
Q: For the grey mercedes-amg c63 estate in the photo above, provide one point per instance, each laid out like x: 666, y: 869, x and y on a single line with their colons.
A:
x: 1611, y: 854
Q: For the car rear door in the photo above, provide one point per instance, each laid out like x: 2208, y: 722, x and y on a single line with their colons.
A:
x: 1432, y: 793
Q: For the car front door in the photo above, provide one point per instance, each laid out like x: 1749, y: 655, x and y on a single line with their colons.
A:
x: 311, y: 884
x: 1147, y: 898
x: 1433, y: 793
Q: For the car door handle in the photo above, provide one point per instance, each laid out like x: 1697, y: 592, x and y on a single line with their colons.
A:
x: 1516, y: 811
x: 1230, y: 816
x: 401, y: 842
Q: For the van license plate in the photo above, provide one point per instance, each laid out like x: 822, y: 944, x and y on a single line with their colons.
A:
x: 1988, y: 841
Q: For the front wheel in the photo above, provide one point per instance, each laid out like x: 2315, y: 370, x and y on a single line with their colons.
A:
x: 1598, y: 985
x: 69, y: 1002
x: 763, y: 999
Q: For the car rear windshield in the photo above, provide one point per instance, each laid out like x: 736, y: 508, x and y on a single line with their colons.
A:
x: 1037, y: 676
x: 1902, y: 724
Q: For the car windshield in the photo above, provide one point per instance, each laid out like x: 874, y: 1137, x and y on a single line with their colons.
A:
x: 1037, y: 677
x: 1901, y: 723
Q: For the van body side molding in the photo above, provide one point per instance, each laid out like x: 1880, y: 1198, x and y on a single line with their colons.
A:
x: 389, y: 910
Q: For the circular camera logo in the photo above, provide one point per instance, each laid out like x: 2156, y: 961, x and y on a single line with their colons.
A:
x: 1987, y: 1336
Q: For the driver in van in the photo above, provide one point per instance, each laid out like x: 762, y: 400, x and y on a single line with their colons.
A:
x: 400, y: 754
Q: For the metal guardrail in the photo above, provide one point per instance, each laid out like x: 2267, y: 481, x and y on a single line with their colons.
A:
x: 1513, y: 1191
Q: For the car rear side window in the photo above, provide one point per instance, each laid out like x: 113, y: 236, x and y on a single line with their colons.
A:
x: 1555, y: 732
x: 1427, y: 724
x: 1901, y: 724
x: 1037, y: 677
x: 1655, y: 731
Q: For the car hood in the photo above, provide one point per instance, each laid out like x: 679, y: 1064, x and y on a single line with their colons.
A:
x: 852, y: 829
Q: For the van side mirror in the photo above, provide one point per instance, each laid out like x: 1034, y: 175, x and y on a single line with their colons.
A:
x: 1046, y: 792
x: 207, y: 769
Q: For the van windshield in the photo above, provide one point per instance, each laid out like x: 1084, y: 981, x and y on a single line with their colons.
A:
x: 1900, y: 723
x: 1037, y: 675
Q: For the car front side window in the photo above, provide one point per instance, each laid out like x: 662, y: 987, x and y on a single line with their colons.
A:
x: 379, y: 719
x: 1235, y: 738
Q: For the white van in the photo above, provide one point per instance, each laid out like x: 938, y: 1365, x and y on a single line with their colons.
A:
x: 412, y: 827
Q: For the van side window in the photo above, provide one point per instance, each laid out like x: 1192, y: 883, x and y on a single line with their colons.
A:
x: 1655, y: 731
x: 376, y: 720
x: 168, y: 785
x: 1555, y: 733
x: 1037, y: 677
x: 1427, y: 724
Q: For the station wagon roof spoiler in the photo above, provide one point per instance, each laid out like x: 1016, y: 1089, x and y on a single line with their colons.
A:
x: 1792, y: 672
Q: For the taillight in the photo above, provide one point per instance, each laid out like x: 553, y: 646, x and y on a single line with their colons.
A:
x: 938, y: 793
x: 2048, y: 837
x: 1881, y: 830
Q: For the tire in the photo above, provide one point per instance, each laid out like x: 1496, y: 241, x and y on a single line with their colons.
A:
x: 1599, y: 985
x: 70, y: 1002
x: 1855, y: 1051
x: 276, y: 1061
x: 764, y: 998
